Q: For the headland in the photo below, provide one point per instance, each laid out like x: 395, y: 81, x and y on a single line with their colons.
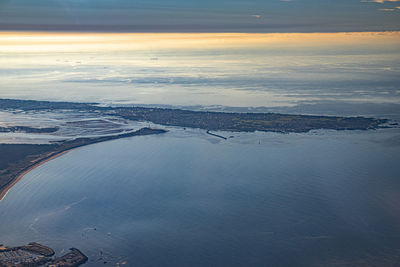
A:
x: 16, y: 160
x: 212, y: 121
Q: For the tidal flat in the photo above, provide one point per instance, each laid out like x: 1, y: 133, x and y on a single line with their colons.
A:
x: 195, y: 197
x: 18, y: 159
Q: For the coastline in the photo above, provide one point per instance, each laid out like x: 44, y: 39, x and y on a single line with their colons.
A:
x: 4, y: 191
x: 35, y: 255
x: 209, y: 120
x: 68, y: 146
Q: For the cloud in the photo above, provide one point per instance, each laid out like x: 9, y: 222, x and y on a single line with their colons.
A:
x: 397, y: 7
x: 379, y: 1
x: 256, y: 16
x: 383, y: 1
x: 386, y: 9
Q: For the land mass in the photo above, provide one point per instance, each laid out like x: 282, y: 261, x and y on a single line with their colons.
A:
x: 212, y: 121
x: 17, y: 159
x: 35, y: 255
x: 27, y: 129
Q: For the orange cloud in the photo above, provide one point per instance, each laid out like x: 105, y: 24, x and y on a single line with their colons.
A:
x: 380, y: 1
x: 18, y: 42
x: 383, y: 1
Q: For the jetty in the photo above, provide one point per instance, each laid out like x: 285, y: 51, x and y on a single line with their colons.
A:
x: 216, y: 135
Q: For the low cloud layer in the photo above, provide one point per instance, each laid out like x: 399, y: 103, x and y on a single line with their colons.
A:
x: 198, y: 16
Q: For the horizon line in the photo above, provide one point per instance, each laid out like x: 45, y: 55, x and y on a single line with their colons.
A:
x: 191, y: 32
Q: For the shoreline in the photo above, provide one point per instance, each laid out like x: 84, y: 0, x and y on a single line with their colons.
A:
x: 209, y: 120
x: 39, y: 255
x: 4, y: 191
x: 68, y: 146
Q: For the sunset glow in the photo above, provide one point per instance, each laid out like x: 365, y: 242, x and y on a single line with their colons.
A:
x: 64, y: 42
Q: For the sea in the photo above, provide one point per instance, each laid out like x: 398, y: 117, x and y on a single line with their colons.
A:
x: 186, y: 198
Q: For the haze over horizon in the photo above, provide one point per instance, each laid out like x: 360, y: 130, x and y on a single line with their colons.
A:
x: 230, y: 53
x: 254, y: 16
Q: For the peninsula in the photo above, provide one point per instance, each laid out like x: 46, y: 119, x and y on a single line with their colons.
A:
x: 212, y: 121
x: 17, y: 159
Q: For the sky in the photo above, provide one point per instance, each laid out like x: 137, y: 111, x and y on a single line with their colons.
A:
x: 207, y: 69
x: 263, y: 16
x: 238, y: 53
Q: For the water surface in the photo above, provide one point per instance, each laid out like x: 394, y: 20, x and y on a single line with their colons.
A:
x: 189, y: 199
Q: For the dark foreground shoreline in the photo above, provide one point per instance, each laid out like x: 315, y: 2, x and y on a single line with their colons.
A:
x: 35, y: 255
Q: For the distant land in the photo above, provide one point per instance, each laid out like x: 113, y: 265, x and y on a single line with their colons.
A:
x: 26, y: 129
x: 17, y: 159
x: 217, y: 121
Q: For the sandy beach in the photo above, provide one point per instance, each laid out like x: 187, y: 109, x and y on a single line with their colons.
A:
x: 6, y: 189
x: 79, y: 142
